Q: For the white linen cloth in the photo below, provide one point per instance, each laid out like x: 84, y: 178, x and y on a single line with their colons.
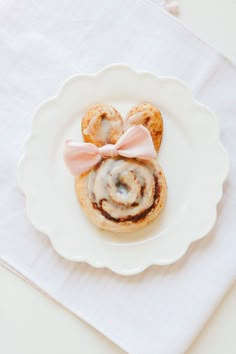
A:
x: 42, y: 43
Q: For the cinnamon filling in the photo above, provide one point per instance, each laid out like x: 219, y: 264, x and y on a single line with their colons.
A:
x: 133, y: 218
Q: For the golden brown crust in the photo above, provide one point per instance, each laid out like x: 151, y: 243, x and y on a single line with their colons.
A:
x: 102, y: 124
x: 150, y: 117
x: 104, y: 222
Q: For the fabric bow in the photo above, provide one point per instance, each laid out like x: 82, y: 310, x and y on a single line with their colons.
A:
x: 136, y: 142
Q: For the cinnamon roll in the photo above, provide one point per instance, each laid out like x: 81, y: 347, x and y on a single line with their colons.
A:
x: 149, y: 116
x: 122, y: 194
x: 102, y: 124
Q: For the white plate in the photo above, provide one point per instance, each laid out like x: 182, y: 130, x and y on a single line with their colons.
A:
x: 194, y: 161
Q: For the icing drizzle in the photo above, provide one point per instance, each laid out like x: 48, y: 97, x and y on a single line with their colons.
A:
x: 123, y: 189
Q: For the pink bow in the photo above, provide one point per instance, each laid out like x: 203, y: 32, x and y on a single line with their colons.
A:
x: 136, y: 142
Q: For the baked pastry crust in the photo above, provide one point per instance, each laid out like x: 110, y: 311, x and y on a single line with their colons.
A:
x: 102, y: 124
x: 107, y: 206
x: 149, y: 116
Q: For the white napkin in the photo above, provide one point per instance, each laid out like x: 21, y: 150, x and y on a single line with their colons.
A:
x: 44, y: 42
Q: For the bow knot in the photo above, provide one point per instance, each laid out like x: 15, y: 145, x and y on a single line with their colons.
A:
x: 108, y: 150
x: 136, y: 142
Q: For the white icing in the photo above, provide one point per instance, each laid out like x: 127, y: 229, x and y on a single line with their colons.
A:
x: 135, y: 119
x: 122, y: 187
x: 106, y: 127
x: 104, y: 130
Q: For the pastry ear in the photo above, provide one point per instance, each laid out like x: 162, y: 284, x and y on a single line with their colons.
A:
x: 150, y: 117
x: 102, y: 124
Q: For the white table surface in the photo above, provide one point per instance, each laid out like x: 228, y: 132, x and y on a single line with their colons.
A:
x: 30, y: 323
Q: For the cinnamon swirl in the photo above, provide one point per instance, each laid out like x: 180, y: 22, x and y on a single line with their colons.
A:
x: 122, y: 194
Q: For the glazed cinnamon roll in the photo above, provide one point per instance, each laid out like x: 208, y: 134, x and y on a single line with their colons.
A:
x: 102, y: 124
x: 149, y: 116
x: 122, y: 194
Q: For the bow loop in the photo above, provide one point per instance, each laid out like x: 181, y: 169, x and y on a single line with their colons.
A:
x: 136, y: 142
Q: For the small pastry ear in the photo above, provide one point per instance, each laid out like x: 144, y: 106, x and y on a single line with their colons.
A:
x: 102, y: 124
x: 149, y: 116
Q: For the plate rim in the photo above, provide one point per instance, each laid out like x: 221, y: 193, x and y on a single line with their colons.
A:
x: 89, y: 260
